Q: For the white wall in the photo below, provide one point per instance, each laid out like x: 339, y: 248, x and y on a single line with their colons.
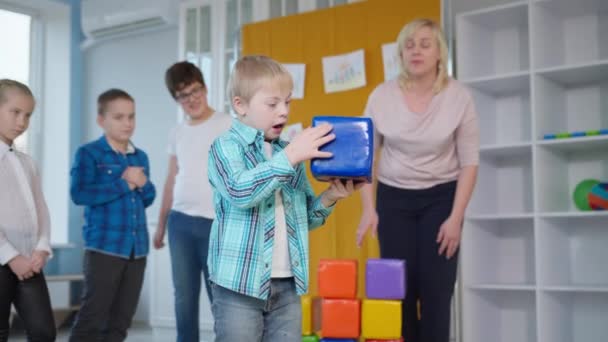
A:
x: 136, y: 64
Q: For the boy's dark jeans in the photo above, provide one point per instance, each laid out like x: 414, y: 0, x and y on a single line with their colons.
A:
x: 111, y: 292
x: 31, y: 300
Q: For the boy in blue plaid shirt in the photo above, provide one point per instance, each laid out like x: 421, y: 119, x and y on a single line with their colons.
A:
x: 110, y: 177
x: 265, y: 206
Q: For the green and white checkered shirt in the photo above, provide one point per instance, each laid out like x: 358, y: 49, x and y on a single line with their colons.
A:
x: 242, y: 237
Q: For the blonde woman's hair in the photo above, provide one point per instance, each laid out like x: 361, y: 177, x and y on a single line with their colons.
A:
x: 250, y: 73
x: 406, y: 33
x: 6, y: 84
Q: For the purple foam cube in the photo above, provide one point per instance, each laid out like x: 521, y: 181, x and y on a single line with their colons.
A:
x: 385, y: 279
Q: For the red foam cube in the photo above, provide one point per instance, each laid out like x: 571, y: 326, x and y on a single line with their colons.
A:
x: 341, y: 318
x: 337, y: 278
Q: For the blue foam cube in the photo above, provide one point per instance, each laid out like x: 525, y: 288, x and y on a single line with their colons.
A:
x: 353, y: 149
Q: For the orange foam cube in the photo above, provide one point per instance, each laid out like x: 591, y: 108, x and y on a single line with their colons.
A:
x: 337, y: 278
x: 341, y: 318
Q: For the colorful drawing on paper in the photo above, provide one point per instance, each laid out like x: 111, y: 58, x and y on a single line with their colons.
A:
x: 298, y: 73
x: 289, y: 132
x: 390, y: 58
x: 344, y: 72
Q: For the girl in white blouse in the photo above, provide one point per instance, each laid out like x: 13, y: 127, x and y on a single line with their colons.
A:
x: 24, y: 223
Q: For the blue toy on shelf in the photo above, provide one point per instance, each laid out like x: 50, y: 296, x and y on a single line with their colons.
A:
x: 577, y: 134
x: 353, y: 149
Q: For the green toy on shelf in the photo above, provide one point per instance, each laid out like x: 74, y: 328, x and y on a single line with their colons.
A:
x: 581, y: 193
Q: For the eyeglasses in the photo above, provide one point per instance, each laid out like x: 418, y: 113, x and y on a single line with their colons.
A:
x: 194, y: 93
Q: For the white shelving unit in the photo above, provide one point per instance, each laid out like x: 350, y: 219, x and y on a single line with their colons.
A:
x: 533, y: 266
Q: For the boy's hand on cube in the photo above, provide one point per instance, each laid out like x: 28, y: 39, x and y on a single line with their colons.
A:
x: 22, y: 267
x: 305, y: 146
x: 39, y: 259
x: 339, y: 190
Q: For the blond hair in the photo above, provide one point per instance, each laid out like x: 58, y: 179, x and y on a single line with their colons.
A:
x: 250, y: 73
x: 442, y: 71
x: 6, y: 84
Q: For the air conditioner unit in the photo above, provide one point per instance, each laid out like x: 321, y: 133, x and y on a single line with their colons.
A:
x: 103, y: 19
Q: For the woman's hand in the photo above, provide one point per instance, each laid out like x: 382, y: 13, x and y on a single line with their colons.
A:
x: 449, y: 236
x: 369, y: 219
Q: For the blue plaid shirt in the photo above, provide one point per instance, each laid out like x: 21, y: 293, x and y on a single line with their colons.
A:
x: 242, y: 235
x: 115, y: 215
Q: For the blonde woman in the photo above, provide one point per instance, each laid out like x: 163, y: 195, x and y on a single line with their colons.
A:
x: 426, y: 126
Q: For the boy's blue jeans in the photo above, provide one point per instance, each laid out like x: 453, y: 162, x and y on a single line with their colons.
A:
x: 243, y: 318
x: 189, y: 246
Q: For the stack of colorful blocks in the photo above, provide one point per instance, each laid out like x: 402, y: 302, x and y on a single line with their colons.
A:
x: 384, y: 290
x: 340, y: 307
x: 338, y: 313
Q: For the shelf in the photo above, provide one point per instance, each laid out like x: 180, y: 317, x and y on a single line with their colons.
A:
x: 567, y: 317
x: 64, y: 277
x: 499, y: 316
x: 534, y: 267
x: 575, y: 75
x: 572, y: 252
x: 574, y: 214
x: 569, y: 32
x: 504, y: 150
x: 500, y: 37
x: 502, y: 287
x: 577, y: 145
x: 507, y: 247
x: 506, y: 180
x: 68, y: 245
x: 576, y: 289
x: 501, y: 85
x: 501, y: 216
x: 560, y: 167
x: 569, y: 106
x: 504, y: 110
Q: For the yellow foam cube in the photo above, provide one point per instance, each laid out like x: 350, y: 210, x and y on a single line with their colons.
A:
x: 381, y: 319
x: 306, y: 315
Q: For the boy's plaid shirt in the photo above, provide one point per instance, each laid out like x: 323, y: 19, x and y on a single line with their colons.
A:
x: 242, y: 235
x: 115, y: 215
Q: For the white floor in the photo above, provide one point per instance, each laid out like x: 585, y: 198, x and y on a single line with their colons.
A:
x: 138, y: 333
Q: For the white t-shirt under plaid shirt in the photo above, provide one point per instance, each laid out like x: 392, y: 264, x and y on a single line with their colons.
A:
x: 281, y: 267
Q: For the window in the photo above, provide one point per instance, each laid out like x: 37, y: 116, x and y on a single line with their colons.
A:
x: 15, y: 33
x: 280, y: 8
x: 330, y: 3
x: 238, y: 13
x: 210, y: 36
x: 202, y: 23
x: 198, y: 43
